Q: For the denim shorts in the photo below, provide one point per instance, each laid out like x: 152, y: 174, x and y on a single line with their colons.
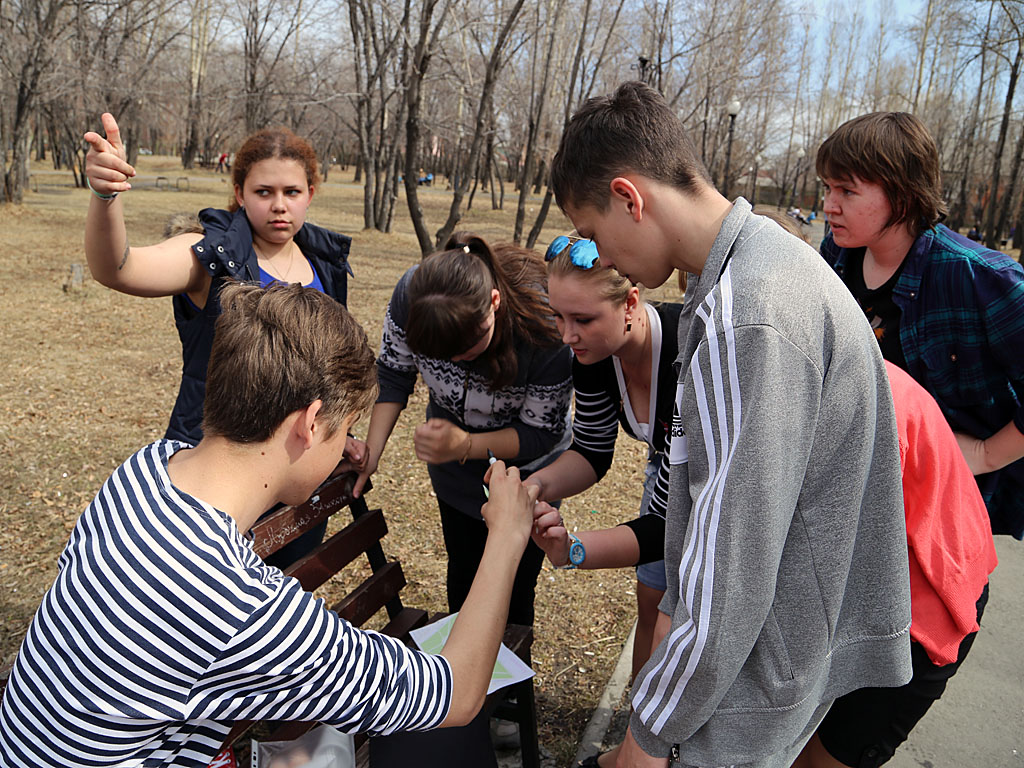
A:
x: 651, y: 574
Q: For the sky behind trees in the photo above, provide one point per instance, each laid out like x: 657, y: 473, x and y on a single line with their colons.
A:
x: 477, y: 91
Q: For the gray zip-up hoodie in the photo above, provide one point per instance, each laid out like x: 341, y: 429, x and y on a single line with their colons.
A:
x: 785, y: 543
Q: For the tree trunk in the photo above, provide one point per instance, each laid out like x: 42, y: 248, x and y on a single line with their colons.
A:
x: 198, y: 48
x: 991, y: 233
x: 483, y: 122
x: 536, y: 120
x: 419, y: 60
x: 538, y: 223
x: 960, y: 209
x: 1008, y: 197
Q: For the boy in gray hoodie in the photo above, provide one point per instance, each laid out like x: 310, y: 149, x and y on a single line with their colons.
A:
x: 785, y: 542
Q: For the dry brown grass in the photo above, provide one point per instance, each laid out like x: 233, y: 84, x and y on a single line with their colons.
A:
x: 89, y: 376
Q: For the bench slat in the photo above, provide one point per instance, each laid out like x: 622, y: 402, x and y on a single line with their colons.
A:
x: 288, y: 523
x: 406, y: 621
x: 372, y: 595
x: 339, y: 550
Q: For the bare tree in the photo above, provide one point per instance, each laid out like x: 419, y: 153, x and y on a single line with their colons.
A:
x: 34, y: 32
x: 200, y: 39
x: 538, y: 103
x: 572, y: 99
x: 992, y: 233
x: 267, y: 28
x: 418, y: 60
x: 482, y: 123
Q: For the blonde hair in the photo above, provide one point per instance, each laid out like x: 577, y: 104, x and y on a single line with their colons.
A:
x: 608, y: 284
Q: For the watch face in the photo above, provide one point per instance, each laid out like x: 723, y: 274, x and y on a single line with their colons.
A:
x: 577, y: 553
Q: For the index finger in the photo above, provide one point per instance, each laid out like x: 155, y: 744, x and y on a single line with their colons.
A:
x: 113, y: 132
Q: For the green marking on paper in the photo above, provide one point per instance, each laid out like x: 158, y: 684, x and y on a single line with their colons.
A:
x: 435, y: 642
x: 500, y: 672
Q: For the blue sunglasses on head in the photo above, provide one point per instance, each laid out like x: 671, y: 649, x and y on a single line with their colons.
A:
x: 583, y: 252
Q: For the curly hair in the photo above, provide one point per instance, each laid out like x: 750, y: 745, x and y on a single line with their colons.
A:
x: 272, y: 143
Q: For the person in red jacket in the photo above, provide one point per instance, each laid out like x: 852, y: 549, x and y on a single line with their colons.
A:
x: 949, y: 537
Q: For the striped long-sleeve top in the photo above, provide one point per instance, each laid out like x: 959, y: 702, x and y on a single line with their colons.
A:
x: 164, y: 626
x: 602, y: 404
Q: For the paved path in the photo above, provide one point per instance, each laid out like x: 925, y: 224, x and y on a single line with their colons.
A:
x: 979, y: 721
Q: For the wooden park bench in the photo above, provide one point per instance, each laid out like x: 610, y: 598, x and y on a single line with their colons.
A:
x: 378, y: 592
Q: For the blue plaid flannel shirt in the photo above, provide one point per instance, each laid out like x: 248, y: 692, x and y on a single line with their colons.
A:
x: 962, y: 333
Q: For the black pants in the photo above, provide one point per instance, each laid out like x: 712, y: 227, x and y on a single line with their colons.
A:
x: 464, y: 538
x: 864, y: 727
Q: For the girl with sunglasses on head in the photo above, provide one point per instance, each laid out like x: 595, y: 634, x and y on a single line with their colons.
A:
x: 474, y: 322
x: 623, y: 373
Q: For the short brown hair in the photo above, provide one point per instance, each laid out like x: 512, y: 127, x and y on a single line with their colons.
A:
x: 272, y: 143
x: 275, y: 351
x: 632, y: 130
x: 450, y: 296
x: 895, y: 151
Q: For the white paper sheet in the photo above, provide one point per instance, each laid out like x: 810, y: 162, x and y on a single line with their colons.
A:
x: 509, y: 669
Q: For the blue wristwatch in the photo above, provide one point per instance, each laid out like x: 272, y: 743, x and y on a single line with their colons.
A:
x: 577, y: 552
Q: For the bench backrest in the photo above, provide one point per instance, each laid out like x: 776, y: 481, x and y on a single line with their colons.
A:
x: 361, y: 536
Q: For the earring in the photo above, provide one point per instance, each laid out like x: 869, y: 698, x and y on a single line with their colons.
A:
x: 629, y: 325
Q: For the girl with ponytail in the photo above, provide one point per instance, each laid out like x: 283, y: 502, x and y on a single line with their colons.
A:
x: 474, y: 322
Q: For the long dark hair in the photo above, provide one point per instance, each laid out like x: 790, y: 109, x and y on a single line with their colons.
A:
x: 450, y: 296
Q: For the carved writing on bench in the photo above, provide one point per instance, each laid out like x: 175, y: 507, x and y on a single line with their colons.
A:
x: 286, y: 524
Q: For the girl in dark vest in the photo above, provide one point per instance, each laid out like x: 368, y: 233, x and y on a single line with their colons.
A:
x: 263, y: 236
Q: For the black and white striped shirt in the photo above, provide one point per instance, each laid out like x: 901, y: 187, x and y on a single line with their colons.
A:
x: 602, y: 404
x: 164, y: 626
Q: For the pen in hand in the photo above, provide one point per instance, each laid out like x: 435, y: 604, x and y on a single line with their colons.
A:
x: 491, y: 458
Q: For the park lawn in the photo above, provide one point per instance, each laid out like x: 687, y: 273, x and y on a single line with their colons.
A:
x: 89, y: 375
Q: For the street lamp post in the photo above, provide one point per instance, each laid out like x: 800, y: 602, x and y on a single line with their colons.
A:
x: 733, y: 109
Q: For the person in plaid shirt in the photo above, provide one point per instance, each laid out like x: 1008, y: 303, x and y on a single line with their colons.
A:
x: 945, y: 309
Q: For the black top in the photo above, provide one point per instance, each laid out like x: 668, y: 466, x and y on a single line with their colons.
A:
x: 601, y: 400
x: 882, y: 312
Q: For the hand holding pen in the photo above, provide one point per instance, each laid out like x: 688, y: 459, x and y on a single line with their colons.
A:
x: 491, y: 458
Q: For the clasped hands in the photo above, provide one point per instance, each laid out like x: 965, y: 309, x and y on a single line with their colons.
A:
x: 438, y: 441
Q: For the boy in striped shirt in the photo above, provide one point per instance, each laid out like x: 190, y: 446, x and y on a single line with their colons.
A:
x: 164, y: 626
